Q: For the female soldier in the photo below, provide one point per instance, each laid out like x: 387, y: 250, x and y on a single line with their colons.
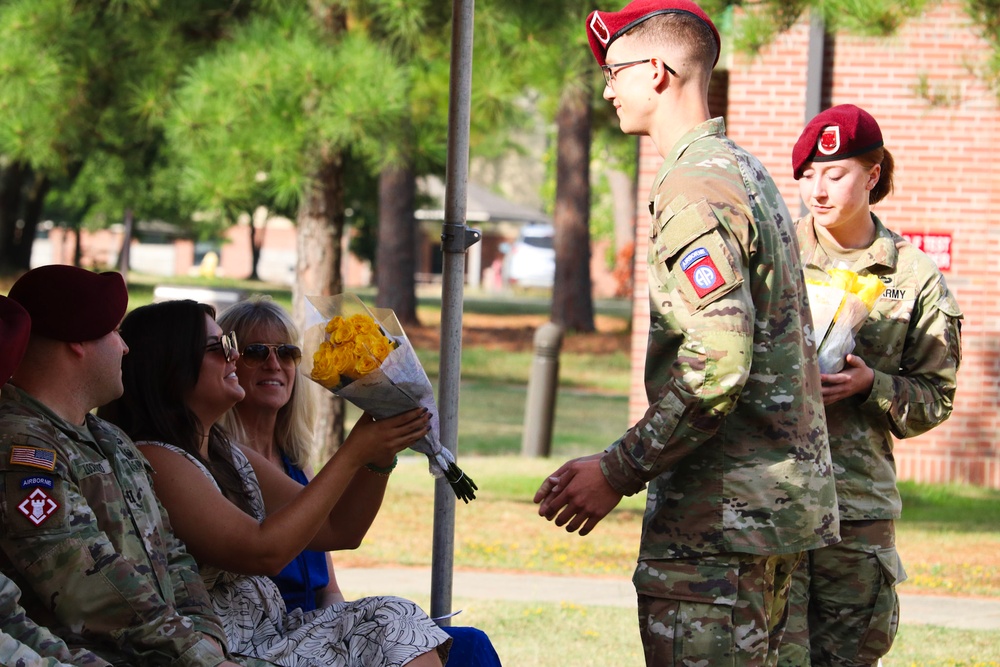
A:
x: 899, y: 381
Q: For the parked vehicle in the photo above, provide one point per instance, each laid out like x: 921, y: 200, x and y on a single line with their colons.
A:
x: 532, y: 257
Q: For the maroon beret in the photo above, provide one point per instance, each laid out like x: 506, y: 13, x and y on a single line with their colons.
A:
x: 15, y: 327
x: 838, y: 133
x: 605, y: 27
x: 71, y: 304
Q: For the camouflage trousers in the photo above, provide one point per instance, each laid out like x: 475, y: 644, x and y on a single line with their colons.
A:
x: 727, y: 610
x: 843, y: 608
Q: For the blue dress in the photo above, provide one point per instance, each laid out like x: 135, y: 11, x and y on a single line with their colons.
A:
x: 303, y: 578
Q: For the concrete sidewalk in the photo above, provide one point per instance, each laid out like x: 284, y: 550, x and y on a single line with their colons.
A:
x: 943, y: 611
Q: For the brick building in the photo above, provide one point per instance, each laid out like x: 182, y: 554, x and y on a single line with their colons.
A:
x: 942, y: 125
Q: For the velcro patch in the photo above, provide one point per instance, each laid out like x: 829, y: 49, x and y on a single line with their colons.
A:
x: 36, y: 457
x: 702, y: 272
x: 38, y: 506
x: 34, y: 504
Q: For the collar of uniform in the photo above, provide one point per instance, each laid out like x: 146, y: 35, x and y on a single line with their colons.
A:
x: 75, y: 431
x: 882, y: 253
x: 710, y: 128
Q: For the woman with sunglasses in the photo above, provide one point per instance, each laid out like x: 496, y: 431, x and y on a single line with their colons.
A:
x: 275, y: 420
x: 242, y: 518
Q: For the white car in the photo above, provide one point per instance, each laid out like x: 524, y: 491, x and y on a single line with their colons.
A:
x: 532, y: 257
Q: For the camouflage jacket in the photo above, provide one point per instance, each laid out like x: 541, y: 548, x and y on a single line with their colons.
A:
x: 25, y: 644
x: 89, y: 545
x: 912, y: 341
x: 734, y: 442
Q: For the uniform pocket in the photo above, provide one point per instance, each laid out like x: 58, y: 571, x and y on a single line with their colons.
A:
x: 884, y: 622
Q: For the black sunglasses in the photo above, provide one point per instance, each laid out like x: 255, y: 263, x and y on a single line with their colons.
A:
x: 226, y: 343
x: 255, y: 354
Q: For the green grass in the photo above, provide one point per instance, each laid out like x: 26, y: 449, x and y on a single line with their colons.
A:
x: 952, y: 537
x: 501, y: 531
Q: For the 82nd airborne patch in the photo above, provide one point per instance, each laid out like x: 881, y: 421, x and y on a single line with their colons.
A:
x: 701, y: 270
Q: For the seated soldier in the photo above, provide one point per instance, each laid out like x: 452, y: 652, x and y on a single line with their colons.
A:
x: 85, y: 538
x: 22, y: 642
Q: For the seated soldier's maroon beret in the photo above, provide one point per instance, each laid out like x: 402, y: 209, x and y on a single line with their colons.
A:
x: 71, y: 304
x: 605, y: 27
x: 15, y: 327
x: 838, y: 133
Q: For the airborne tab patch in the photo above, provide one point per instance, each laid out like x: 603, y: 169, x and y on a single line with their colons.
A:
x: 700, y: 269
x: 35, y: 457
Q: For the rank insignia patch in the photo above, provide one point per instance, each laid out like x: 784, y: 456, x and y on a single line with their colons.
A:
x: 702, y: 272
x: 34, y: 457
x: 38, y: 507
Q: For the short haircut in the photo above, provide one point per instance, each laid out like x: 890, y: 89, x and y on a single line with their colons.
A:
x: 681, y: 30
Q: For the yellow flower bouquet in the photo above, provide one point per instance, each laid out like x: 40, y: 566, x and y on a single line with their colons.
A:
x: 363, y: 356
x: 840, y: 301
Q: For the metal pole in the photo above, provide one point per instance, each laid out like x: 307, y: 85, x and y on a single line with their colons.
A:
x: 455, y: 239
x: 814, y: 72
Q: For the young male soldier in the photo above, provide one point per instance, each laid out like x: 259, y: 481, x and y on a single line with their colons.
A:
x: 22, y: 642
x: 734, y: 444
x: 81, y: 532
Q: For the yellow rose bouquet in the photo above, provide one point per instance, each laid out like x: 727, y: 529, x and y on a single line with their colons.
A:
x: 840, y: 301
x: 363, y: 356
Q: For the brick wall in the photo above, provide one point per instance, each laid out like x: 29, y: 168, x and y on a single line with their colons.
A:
x: 945, y: 136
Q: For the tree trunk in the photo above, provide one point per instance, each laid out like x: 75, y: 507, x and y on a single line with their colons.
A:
x: 11, y: 183
x: 77, y: 243
x: 320, y: 227
x: 395, y: 253
x: 256, y: 241
x: 34, y: 205
x: 572, y: 299
x: 123, y: 254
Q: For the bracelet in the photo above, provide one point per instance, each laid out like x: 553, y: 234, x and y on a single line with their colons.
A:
x: 383, y: 472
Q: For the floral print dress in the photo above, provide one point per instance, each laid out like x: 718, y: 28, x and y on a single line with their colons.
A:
x: 370, y: 632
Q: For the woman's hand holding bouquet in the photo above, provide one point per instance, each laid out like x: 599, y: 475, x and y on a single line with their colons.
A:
x: 363, y: 356
x: 840, y: 302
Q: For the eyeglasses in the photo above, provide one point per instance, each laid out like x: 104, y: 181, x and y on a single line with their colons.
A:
x: 611, y: 70
x: 226, y: 343
x: 255, y: 354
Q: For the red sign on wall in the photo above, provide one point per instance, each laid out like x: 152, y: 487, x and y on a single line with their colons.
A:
x: 935, y: 246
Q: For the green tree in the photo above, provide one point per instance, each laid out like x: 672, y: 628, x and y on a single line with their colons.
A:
x: 417, y: 32
x: 83, y: 90
x: 270, y: 116
x: 762, y: 21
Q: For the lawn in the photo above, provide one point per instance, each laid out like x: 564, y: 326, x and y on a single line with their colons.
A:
x: 501, y: 531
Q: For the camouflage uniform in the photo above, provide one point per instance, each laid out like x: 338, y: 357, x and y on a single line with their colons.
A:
x: 24, y: 644
x: 912, y: 343
x: 734, y: 444
x: 89, y: 545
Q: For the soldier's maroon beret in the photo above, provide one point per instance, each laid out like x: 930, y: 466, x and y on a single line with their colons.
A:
x: 603, y: 28
x: 15, y: 327
x: 71, y: 304
x: 838, y: 133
